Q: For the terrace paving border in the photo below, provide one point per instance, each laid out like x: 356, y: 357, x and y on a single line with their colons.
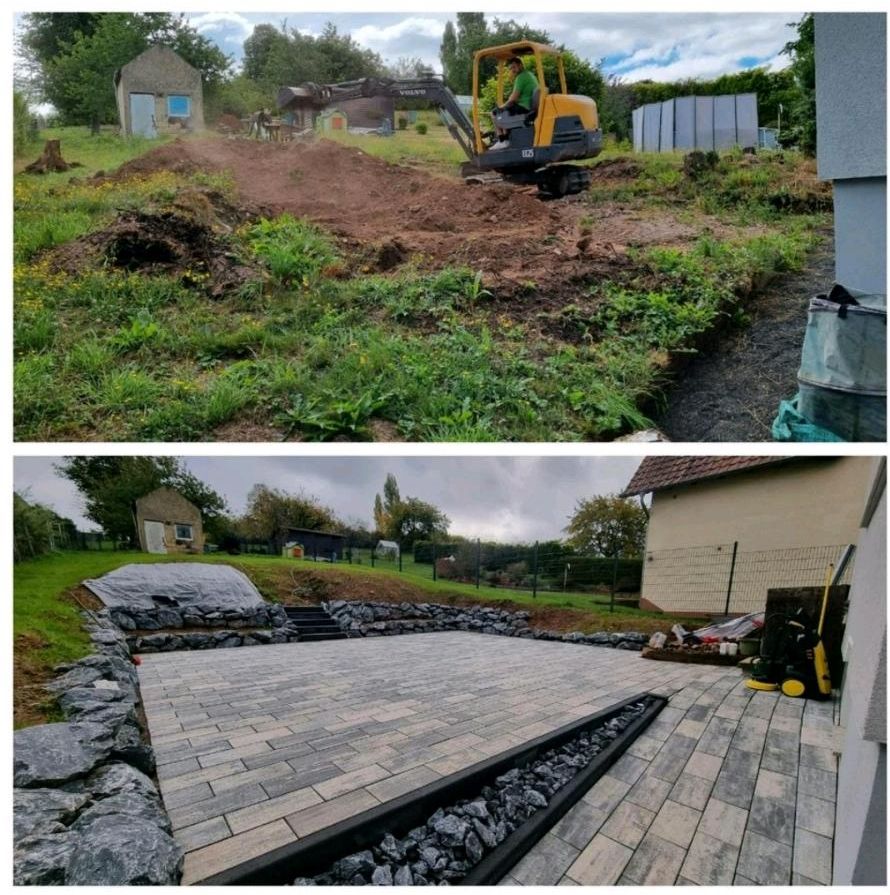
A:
x: 259, y: 747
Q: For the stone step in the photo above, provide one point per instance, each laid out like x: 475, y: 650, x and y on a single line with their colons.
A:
x: 327, y: 635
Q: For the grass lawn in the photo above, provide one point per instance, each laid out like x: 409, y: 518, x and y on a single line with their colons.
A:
x: 310, y: 353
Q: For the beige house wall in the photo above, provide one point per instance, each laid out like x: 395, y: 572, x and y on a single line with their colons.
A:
x: 171, y: 509
x: 789, y: 520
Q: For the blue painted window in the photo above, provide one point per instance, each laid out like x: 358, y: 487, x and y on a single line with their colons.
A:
x: 179, y: 106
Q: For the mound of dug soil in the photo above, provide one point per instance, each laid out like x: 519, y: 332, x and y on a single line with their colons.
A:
x: 391, y: 214
x: 187, y: 239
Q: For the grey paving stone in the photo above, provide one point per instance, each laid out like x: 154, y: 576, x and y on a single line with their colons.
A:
x: 701, y: 764
x: 649, y: 792
x: 606, y: 793
x: 656, y: 862
x: 399, y: 784
x: 546, y: 863
x: 710, y: 861
x: 692, y: 791
x: 187, y: 795
x: 676, y: 823
x: 628, y: 823
x: 717, y: 736
x: 815, y: 814
x: 765, y: 861
x: 601, y: 863
x: 724, y: 821
x: 205, y: 833
x: 268, y: 810
x: 816, y: 782
x: 292, y: 781
x: 194, y: 813
x: 320, y: 816
x: 818, y: 757
x: 628, y: 768
x: 580, y: 824
x: 737, y: 778
x: 780, y: 752
x: 773, y: 806
x: 812, y: 856
x: 234, y: 850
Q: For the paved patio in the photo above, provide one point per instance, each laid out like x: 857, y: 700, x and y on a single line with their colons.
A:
x: 260, y: 746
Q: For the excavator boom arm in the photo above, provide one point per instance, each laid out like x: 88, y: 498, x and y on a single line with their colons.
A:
x: 431, y: 89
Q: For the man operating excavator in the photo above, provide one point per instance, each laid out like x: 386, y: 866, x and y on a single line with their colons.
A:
x: 518, y: 103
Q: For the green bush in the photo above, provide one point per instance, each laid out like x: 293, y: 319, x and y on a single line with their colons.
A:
x: 420, y: 127
x: 294, y: 251
x: 403, y: 123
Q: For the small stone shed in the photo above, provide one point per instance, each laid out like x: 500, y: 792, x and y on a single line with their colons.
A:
x: 158, y: 92
x: 168, y: 523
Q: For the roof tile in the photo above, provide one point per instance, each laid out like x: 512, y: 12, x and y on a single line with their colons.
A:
x: 657, y: 473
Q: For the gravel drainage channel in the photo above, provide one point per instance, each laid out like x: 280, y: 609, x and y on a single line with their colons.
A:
x: 470, y: 828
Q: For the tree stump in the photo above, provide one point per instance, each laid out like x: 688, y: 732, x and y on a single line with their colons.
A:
x: 51, y: 160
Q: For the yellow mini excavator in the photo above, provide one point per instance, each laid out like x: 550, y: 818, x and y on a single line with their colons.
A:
x: 560, y: 128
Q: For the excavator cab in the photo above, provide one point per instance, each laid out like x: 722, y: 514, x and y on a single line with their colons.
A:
x: 560, y: 127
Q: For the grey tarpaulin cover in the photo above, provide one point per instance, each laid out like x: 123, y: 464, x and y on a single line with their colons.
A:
x: 213, y: 587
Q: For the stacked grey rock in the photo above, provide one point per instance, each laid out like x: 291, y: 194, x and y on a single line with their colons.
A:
x: 85, y: 813
x: 162, y: 618
x: 203, y: 627
x: 374, y: 619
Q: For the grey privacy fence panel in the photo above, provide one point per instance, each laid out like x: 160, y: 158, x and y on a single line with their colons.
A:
x: 696, y: 122
x: 720, y: 578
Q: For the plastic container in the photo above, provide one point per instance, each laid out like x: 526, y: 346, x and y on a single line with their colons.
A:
x: 842, y: 375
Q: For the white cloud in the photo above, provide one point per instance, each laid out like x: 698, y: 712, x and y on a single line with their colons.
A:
x: 232, y: 25
x: 373, y: 35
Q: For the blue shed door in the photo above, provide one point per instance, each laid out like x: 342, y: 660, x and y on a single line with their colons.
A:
x: 142, y: 115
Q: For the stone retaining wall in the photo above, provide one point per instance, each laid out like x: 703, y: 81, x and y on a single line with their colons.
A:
x: 85, y: 811
x: 369, y: 619
x: 164, y: 618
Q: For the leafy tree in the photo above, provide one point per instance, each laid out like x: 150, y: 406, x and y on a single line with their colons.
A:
x: 111, y: 486
x: 257, y: 49
x: 408, y: 520
x: 408, y: 67
x: 608, y: 526
x: 412, y: 520
x: 615, y: 108
x: 274, y: 57
x: 44, y: 35
x: 21, y: 123
x: 472, y: 34
x: 271, y: 512
x: 35, y: 528
x: 801, y: 128
x: 78, y: 79
x: 240, y: 96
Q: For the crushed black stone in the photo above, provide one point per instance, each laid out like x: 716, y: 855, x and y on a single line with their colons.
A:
x: 456, y: 838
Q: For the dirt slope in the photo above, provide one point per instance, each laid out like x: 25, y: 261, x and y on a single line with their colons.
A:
x: 390, y: 214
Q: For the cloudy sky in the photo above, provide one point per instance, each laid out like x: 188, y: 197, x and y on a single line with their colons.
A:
x: 496, y: 498
x: 661, y: 46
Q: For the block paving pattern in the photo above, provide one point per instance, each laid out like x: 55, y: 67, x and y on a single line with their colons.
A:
x: 261, y: 746
x: 728, y: 786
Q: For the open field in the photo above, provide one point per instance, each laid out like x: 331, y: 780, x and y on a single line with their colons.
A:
x: 215, y: 289
x: 47, y: 625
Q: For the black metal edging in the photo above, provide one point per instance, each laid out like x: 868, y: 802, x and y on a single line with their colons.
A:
x: 315, y: 853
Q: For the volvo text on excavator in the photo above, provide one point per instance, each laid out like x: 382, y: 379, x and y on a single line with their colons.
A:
x: 560, y: 128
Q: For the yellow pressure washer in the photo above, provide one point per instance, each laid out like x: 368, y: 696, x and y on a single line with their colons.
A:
x: 792, y: 654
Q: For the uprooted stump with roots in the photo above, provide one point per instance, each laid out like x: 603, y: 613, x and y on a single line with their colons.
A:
x: 188, y: 239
